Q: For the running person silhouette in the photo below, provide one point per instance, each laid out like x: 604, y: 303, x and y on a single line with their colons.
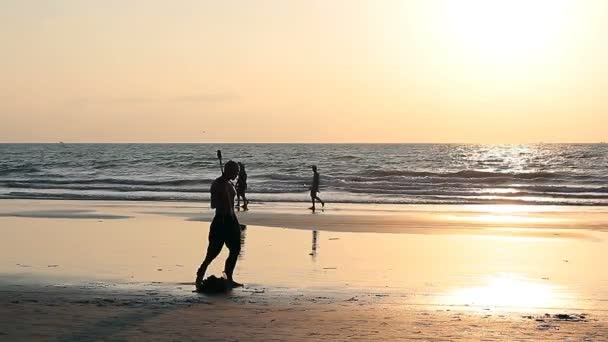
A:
x: 225, y: 228
x: 314, y: 189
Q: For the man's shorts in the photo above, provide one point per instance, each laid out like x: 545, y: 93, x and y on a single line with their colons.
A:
x: 225, y: 230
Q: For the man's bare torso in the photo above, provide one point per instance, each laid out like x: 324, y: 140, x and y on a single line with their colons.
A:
x: 222, y: 196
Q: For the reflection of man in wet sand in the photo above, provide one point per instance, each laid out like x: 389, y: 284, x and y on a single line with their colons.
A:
x: 225, y: 228
x: 314, y: 189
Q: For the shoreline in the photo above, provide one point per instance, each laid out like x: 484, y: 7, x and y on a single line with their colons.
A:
x: 306, y: 200
x: 355, y: 218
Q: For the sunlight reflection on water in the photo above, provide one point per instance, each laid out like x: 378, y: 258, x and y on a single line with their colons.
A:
x: 507, y: 291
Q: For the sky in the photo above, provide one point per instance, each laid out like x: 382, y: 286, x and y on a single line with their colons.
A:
x: 475, y: 71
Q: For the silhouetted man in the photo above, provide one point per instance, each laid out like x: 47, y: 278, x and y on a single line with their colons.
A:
x: 314, y: 189
x: 225, y: 228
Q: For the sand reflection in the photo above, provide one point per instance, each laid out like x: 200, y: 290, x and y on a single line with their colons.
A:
x: 507, y: 291
x: 509, y: 216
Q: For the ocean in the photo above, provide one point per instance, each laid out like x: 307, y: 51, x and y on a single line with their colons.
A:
x: 544, y: 174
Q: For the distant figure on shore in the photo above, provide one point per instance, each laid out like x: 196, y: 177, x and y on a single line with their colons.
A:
x: 314, y: 189
x: 225, y: 228
x: 241, y: 187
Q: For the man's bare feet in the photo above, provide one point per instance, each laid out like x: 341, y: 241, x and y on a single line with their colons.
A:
x: 198, y: 284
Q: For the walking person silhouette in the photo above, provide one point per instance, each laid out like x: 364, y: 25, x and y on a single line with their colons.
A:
x: 225, y: 227
x: 241, y: 187
x: 314, y: 189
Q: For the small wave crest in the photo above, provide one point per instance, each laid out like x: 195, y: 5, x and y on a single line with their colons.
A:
x: 22, y: 169
x: 282, y: 197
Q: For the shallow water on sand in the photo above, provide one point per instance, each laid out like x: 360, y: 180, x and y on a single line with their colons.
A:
x: 497, y: 267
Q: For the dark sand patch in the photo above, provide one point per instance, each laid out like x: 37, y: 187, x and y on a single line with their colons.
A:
x: 74, y: 315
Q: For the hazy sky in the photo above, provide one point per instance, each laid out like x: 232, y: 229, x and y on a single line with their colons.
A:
x: 304, y: 71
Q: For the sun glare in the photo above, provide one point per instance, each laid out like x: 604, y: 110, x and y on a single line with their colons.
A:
x: 505, y: 30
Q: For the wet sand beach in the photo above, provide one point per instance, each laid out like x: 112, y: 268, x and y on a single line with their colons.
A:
x: 95, y: 270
